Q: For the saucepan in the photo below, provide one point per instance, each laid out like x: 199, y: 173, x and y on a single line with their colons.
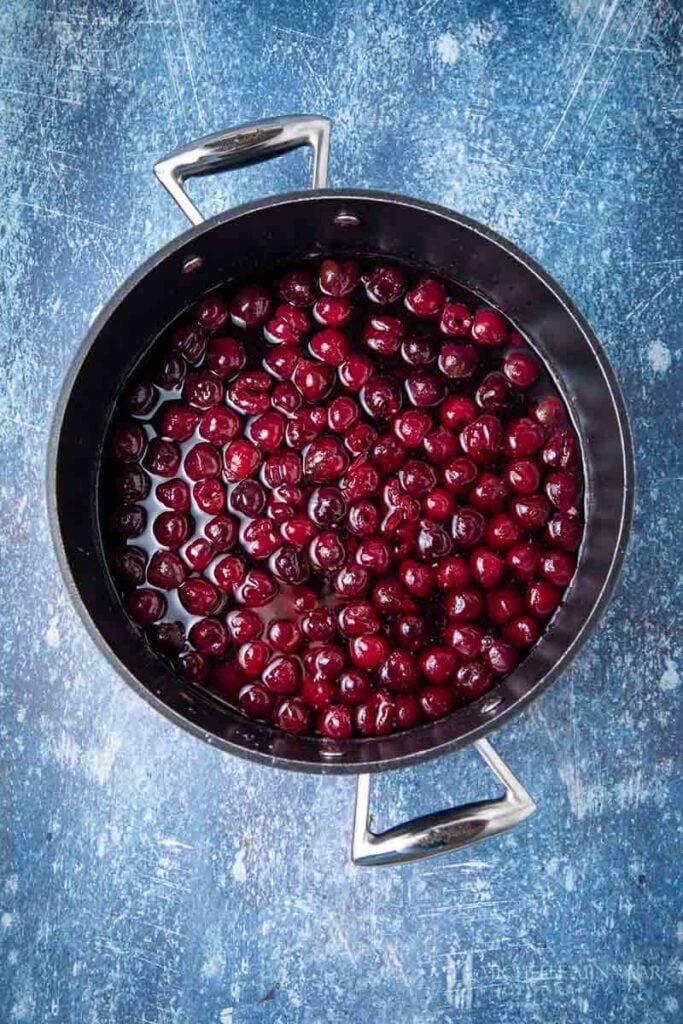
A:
x: 250, y: 240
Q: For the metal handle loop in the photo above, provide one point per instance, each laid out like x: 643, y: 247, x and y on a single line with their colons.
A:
x: 246, y: 144
x: 442, y: 831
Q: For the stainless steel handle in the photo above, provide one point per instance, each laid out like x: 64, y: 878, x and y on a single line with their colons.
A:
x: 445, y: 830
x: 246, y: 144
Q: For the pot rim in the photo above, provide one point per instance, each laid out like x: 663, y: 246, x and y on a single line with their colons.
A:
x: 498, y: 718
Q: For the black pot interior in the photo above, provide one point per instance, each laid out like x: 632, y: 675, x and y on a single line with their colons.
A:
x: 254, y: 239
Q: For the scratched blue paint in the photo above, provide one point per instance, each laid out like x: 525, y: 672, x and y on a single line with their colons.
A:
x: 145, y: 877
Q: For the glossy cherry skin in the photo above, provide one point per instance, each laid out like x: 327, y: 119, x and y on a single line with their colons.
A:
x: 146, y: 606
x: 256, y: 701
x: 542, y: 599
x: 436, y: 701
x: 489, y: 328
x: 292, y: 716
x: 375, y: 717
x: 471, y: 681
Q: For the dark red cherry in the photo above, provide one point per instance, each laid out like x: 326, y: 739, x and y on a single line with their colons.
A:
x: 558, y: 566
x: 563, y: 489
x: 250, y: 306
x: 178, y: 421
x: 298, y: 288
x: 225, y: 356
x: 458, y: 361
x: 219, y: 424
x: 212, y: 310
x: 542, y: 599
x: 203, y: 461
x: 385, y: 284
x: 188, y: 339
x: 128, y: 565
x: 427, y: 299
x: 256, y: 701
x: 166, y: 570
x: 338, y: 278
x: 145, y: 605
x: 198, y: 596
x: 131, y: 483
x: 436, y: 701
x: 489, y: 328
x: 456, y: 319
x: 292, y: 716
x: 471, y: 681
x: 202, y: 390
x: 375, y: 717
x: 128, y: 441
x: 210, y: 636
x: 522, y: 631
x: 355, y: 687
x: 162, y: 458
x: 565, y: 531
x: 171, y: 529
x: 521, y: 369
x: 561, y: 451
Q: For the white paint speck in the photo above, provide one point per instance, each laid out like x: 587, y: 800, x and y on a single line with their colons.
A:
x: 100, y: 760
x: 52, y: 637
x: 448, y: 48
x: 213, y: 966
x: 583, y: 1004
x: 226, y: 1016
x: 671, y: 1004
x: 239, y: 868
x: 6, y: 921
x: 569, y: 879
x: 459, y: 981
x: 23, y: 1010
x: 659, y: 357
x: 679, y: 931
x: 21, y: 715
x: 669, y: 678
x: 12, y: 884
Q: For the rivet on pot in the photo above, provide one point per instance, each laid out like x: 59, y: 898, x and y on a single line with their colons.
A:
x: 490, y: 705
x: 347, y: 220
x: 191, y: 264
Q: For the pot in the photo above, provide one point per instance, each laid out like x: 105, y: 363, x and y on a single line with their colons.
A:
x: 251, y: 239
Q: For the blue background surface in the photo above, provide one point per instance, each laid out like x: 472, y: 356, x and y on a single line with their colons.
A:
x: 145, y: 877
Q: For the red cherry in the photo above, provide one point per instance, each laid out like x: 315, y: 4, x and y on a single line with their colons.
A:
x: 336, y: 722
x: 198, y: 596
x: 438, y: 664
x: 368, y: 652
x: 385, y: 284
x: 178, y: 421
x: 298, y: 288
x: 219, y: 424
x: 166, y: 570
x: 490, y: 328
x: 209, y: 636
x: 225, y: 356
x: 250, y: 306
x: 427, y: 299
x: 458, y: 361
x: 542, y: 599
x: 375, y: 717
x: 292, y: 716
x: 256, y: 702
x: 211, y: 311
x: 436, y: 701
x: 242, y: 459
x: 146, y: 605
x: 456, y: 319
x: 471, y: 681
x: 338, y: 278
x: 203, y: 461
x: 521, y: 369
x: 465, y: 638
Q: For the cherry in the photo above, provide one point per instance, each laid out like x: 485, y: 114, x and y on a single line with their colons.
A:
x: 440, y: 445
x: 336, y: 722
x: 487, y: 567
x: 146, y: 605
x: 411, y: 632
x: 357, y: 618
x: 285, y: 398
x: 332, y: 311
x: 229, y: 572
x: 259, y: 538
x: 385, y: 284
x: 561, y: 451
x: 225, y: 356
x: 171, y: 529
x: 169, y: 372
x: 249, y: 392
x: 564, y: 530
x: 211, y: 311
x: 501, y: 532
x: 198, y: 553
x: 354, y: 687
x: 457, y: 411
x: 166, y: 570
x: 419, y: 350
x: 558, y: 567
x: 425, y: 389
x: 318, y: 623
x: 128, y: 565
x: 287, y: 326
x: 317, y: 692
x: 202, y: 390
x: 284, y: 468
x: 281, y: 363
x: 465, y: 639
x: 188, y: 339
x: 482, y: 439
x: 298, y: 531
x: 325, y: 460
x: 384, y: 334
x: 375, y: 717
x: 503, y: 603
x: 289, y: 564
x: 221, y: 531
x: 389, y: 597
x: 432, y: 541
x: 531, y: 511
x: 267, y: 431
x: 436, y: 701
x: 458, y: 361
x: 500, y: 656
x: 162, y: 458
x: 256, y: 702
x: 248, y: 497
x: 439, y: 504
x: 258, y: 589
x: 488, y: 493
x: 369, y: 652
x: 203, y: 461
x: 284, y: 635
x: 219, y: 424
x: 198, y: 596
x: 489, y: 328
x: 399, y: 672
x: 227, y: 678
x: 327, y: 661
x: 523, y: 437
x: 338, y: 278
x: 456, y: 319
x: 493, y: 393
x: 298, y: 288
x: 542, y: 599
x: 522, y: 631
x: 411, y: 427
x: 458, y: 474
x: 132, y: 483
x: 250, y: 306
x: 523, y: 560
x: 167, y: 637
x: 209, y: 636
x: 351, y: 581
x: 381, y: 397
x: 129, y: 520
x: 407, y: 711
x: 438, y: 664
x: 464, y: 604
x: 418, y: 579
x: 342, y: 413
x: 453, y: 572
x: 178, y: 421
x: 327, y: 551
x: 139, y: 397
x: 521, y: 369
x: 522, y: 476
x: 361, y: 481
x: 471, y: 681
x: 244, y: 624
x: 292, y: 716
x: 283, y: 675
x: 563, y: 489
x: 359, y: 439
x: 549, y: 412
x: 467, y: 527
x: 128, y: 442
x: 427, y: 299
x: 355, y: 371
x: 193, y: 666
x: 242, y: 459
x: 313, y: 379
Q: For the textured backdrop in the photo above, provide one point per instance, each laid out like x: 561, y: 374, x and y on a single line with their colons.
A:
x: 145, y: 877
